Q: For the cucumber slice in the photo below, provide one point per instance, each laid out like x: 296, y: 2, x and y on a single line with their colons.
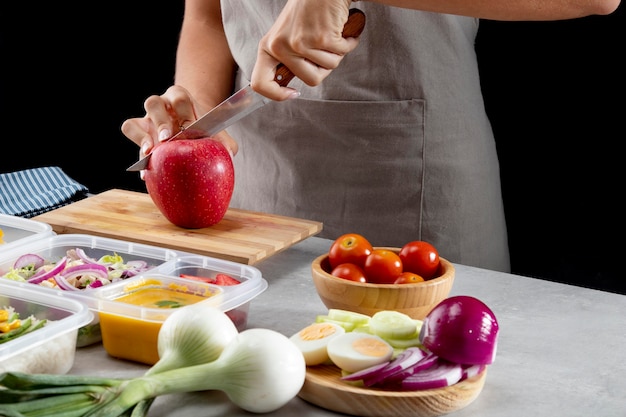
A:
x: 322, y: 318
x: 413, y: 341
x: 365, y: 328
x: 390, y: 324
x: 348, y: 316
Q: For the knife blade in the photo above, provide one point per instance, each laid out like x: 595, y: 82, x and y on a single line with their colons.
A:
x: 244, y: 101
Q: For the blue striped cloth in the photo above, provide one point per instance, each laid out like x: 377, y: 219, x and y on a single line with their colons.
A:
x: 35, y: 191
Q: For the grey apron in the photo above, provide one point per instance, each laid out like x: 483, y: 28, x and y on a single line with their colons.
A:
x: 394, y: 144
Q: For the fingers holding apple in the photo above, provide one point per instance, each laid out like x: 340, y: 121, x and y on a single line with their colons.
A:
x: 191, y: 181
x: 230, y: 143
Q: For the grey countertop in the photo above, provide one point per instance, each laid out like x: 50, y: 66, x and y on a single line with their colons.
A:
x: 561, y: 349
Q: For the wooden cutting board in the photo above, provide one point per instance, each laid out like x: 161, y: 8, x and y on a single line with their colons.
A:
x: 241, y: 236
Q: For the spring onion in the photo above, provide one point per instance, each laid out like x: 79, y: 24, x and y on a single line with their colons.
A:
x: 192, y: 336
x: 260, y: 370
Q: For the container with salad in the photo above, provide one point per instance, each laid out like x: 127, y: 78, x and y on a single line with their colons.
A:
x: 90, y: 269
x: 72, y: 265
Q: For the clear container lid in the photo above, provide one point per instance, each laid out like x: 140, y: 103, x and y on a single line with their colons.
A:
x: 18, y: 231
x: 63, y: 314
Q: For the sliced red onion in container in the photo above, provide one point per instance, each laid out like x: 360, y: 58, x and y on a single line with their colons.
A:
x: 58, y: 267
x: 82, y: 255
x: 75, y: 271
x: 64, y: 284
x: 95, y: 284
x: 137, y: 264
x: 134, y: 267
x: 29, y: 259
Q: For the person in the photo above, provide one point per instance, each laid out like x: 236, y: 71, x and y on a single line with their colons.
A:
x: 385, y: 135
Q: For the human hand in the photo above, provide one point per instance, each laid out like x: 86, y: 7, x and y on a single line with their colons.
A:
x: 166, y: 115
x: 307, y: 38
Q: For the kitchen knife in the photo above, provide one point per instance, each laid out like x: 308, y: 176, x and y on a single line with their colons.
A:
x: 244, y: 101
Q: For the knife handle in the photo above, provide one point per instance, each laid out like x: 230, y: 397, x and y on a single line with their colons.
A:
x: 352, y: 29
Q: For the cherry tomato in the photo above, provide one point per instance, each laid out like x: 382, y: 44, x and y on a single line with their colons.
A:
x: 349, y: 248
x: 420, y: 258
x: 382, y: 266
x: 349, y: 271
x: 408, y: 278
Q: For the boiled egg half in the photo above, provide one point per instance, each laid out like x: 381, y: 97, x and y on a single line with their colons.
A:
x: 313, y: 341
x: 354, y: 351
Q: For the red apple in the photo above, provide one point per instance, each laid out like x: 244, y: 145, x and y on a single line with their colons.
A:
x: 191, y: 181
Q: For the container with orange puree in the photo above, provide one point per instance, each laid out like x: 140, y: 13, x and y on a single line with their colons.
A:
x: 132, y: 312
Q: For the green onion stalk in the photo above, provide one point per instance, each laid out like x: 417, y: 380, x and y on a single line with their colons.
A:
x: 260, y: 370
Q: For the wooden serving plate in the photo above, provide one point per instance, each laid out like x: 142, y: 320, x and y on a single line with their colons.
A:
x: 323, y: 387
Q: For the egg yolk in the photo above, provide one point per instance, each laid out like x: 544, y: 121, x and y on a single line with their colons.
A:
x: 317, y: 331
x: 370, y: 347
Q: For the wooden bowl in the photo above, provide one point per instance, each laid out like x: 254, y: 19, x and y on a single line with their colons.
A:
x: 414, y: 300
x: 324, y: 388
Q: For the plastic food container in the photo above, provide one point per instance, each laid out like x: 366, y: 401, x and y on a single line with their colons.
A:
x: 17, y: 231
x: 132, y: 311
x: 50, y: 349
x: 236, y: 300
x: 53, y: 248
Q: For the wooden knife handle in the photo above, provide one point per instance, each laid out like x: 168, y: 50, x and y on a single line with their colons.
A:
x: 352, y: 29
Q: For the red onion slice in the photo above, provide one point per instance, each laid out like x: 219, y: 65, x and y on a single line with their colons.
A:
x: 407, y: 359
x: 29, y: 259
x: 428, y: 361
x: 74, y: 271
x: 64, y: 284
x: 442, y: 374
x: 470, y: 371
x: 58, y: 267
x: 95, y: 271
x: 134, y: 267
x: 365, y: 373
x: 82, y: 255
x: 95, y: 284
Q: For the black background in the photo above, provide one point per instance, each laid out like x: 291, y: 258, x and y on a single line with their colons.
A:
x: 554, y: 91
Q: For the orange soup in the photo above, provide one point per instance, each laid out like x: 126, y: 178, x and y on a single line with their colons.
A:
x: 160, y: 298
x: 136, y: 338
